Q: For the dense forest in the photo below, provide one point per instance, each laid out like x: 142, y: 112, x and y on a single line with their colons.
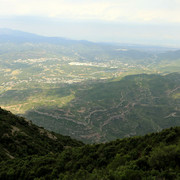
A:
x: 30, y: 152
x: 20, y: 138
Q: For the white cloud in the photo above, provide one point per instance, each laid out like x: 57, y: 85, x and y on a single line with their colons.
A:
x: 106, y: 10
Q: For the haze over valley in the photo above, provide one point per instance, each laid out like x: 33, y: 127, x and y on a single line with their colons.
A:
x: 94, y: 92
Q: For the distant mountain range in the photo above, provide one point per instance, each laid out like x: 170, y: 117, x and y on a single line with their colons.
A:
x: 22, y: 43
x: 16, y: 36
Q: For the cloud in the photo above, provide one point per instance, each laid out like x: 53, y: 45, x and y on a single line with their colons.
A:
x: 103, y: 10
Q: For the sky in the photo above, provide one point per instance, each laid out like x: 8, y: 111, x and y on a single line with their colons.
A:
x: 155, y: 22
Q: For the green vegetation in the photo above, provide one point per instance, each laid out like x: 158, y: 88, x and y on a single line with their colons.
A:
x: 176, y: 95
x: 93, y: 92
x: 153, y: 156
x: 100, y: 112
x: 96, y: 111
x: 19, y: 105
x: 19, y: 138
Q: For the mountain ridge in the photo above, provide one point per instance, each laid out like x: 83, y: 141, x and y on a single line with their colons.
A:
x: 56, y: 39
x: 9, y: 35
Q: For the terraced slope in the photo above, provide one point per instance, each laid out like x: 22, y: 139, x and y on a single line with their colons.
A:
x: 101, y: 112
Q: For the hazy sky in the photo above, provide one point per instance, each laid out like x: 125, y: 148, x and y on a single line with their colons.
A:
x: 126, y: 21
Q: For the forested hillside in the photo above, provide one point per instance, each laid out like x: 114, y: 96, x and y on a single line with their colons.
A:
x: 153, y: 156
x: 99, y: 112
x: 20, y: 138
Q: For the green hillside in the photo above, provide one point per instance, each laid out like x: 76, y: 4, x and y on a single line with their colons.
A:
x: 19, y: 138
x: 134, y: 105
x: 99, y: 111
x: 153, y: 156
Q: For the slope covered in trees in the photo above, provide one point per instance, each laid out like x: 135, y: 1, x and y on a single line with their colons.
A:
x: 153, y: 156
x: 99, y: 112
x: 19, y: 138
